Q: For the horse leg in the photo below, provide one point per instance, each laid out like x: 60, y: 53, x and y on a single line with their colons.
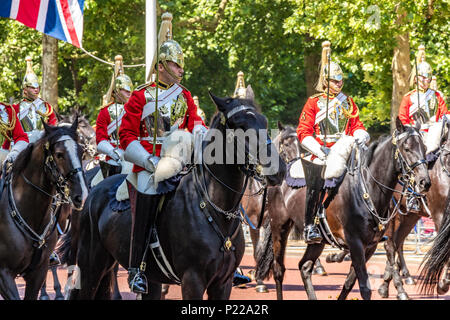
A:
x: 280, y: 235
x: 260, y: 286
x: 359, y: 267
x: 164, y: 291
x: 34, y: 281
x: 389, y: 246
x: 192, y: 285
x: 219, y: 291
x: 116, y: 293
x: 306, y: 266
x: 319, y: 269
x: 44, y: 294
x: 407, y: 224
x: 8, y: 288
x: 104, y: 288
x: 154, y: 292
x: 56, y: 284
x: 348, y: 284
x: 444, y: 283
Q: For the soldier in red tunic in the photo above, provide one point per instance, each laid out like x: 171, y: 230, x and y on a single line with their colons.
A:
x: 429, y: 106
x: 32, y: 107
x: 11, y: 131
x: 342, y: 120
x: 175, y: 110
x: 107, y: 124
x: 425, y: 105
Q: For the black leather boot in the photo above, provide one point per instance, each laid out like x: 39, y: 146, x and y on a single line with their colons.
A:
x: 143, y: 211
x: 311, y: 232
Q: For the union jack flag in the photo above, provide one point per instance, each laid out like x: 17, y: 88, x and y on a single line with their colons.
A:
x: 61, y: 19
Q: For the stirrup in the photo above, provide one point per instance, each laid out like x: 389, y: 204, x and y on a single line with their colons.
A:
x: 312, y: 234
x: 138, y: 283
x: 54, y: 260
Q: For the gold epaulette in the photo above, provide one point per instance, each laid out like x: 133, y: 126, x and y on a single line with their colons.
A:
x: 316, y: 95
x: 183, y: 87
x: 411, y: 92
x: 106, y: 105
x: 142, y: 86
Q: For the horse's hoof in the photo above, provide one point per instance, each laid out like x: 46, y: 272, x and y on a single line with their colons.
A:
x: 329, y: 258
x: 320, y: 271
x: 347, y: 258
x: 261, y: 288
x: 402, y: 296
x: 241, y: 286
x: 383, y: 292
x: 442, y: 287
x: 410, y: 281
x: 44, y: 298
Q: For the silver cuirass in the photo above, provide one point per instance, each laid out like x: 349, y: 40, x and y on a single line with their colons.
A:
x: 30, y: 114
x: 336, y: 121
x: 115, y: 111
x: 172, y: 107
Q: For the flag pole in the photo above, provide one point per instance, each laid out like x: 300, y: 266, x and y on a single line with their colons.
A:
x: 150, y: 36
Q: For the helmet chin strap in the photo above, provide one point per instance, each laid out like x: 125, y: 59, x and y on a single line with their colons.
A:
x: 170, y: 72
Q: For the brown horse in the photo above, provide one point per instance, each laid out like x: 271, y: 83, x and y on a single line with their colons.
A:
x: 44, y: 174
x: 356, y: 218
x: 402, y: 225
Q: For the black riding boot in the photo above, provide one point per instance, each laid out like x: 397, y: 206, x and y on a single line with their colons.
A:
x: 311, y: 232
x: 143, y: 210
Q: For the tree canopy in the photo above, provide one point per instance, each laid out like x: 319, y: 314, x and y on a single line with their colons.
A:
x: 277, y: 44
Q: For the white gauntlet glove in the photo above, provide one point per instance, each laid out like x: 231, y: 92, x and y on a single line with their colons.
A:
x: 18, y: 147
x: 361, y: 136
x: 311, y: 144
x: 136, y: 153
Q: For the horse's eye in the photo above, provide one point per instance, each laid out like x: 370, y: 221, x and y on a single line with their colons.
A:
x: 59, y: 155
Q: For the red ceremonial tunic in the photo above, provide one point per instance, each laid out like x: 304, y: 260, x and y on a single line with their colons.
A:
x: 52, y: 120
x: 405, y: 105
x: 306, y: 126
x: 132, y: 128
x: 101, y: 127
x: 17, y: 133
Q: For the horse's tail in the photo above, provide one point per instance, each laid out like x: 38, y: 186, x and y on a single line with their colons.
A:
x: 437, y: 257
x: 67, y: 245
x: 264, y: 253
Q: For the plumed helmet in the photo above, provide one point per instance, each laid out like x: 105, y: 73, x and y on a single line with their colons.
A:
x: 423, y: 68
x: 119, y: 80
x: 30, y: 79
x: 240, y: 90
x: 335, y: 70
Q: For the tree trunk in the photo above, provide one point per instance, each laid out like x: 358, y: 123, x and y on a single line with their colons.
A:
x: 401, y: 69
x: 311, y: 63
x: 49, y: 89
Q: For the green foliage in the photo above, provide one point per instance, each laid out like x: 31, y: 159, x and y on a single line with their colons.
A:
x: 267, y: 40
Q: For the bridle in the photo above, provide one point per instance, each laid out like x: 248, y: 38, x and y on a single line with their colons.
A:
x: 442, y: 148
x: 61, y: 195
x: 407, y: 176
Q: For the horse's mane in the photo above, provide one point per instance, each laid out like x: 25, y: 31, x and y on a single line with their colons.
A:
x: 24, y: 157
x: 368, y: 156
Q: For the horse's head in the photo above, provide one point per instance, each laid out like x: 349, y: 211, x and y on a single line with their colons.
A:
x: 410, y: 152
x: 86, y: 133
x: 242, y: 120
x: 63, y: 162
x: 287, y: 143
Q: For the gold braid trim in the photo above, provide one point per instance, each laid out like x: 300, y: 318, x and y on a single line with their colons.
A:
x: 48, y: 113
x: 348, y: 114
x: 8, y: 127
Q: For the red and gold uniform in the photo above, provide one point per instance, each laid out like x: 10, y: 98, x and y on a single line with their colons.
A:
x: 11, y: 129
x: 180, y: 111
x: 348, y: 123
x: 432, y: 105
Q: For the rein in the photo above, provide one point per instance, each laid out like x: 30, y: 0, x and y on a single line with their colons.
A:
x: 407, y: 172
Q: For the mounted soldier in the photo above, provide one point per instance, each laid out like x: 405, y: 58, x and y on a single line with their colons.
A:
x: 11, y: 131
x: 329, y: 125
x: 32, y: 107
x: 426, y: 105
x: 143, y: 133
x: 107, y: 124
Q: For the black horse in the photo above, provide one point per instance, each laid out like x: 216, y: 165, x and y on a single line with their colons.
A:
x: 358, y: 213
x: 197, y: 226
x: 402, y: 225
x: 45, y: 174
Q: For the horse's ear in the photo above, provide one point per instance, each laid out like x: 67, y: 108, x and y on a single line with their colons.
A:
x: 399, y: 125
x: 249, y: 94
x: 47, y: 128
x: 219, y: 102
x: 74, y: 126
x: 280, y: 125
